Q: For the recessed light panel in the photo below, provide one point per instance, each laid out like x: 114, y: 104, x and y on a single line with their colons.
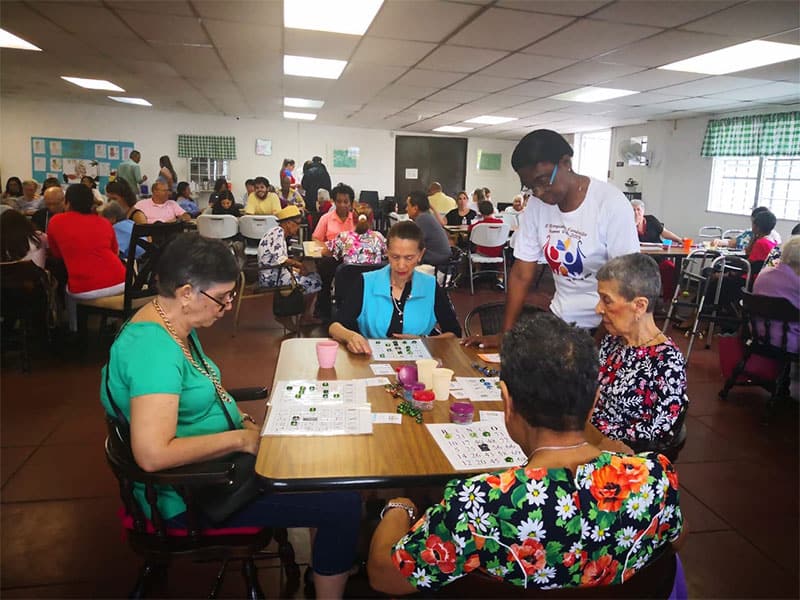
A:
x: 127, y: 100
x: 353, y: 16
x: 306, y: 66
x: 452, y: 129
x: 303, y: 103
x: 490, y: 120
x: 740, y: 57
x: 93, y: 84
x: 9, y: 40
x: 592, y: 94
x: 301, y: 116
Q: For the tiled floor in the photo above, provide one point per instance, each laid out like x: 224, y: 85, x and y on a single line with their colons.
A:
x: 60, y: 536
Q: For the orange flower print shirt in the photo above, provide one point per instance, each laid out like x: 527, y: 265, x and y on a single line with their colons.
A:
x: 547, y: 528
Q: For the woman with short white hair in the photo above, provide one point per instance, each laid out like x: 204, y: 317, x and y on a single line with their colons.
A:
x: 783, y: 281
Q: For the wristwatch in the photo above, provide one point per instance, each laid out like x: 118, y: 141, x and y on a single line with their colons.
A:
x: 406, y: 507
x: 246, y: 417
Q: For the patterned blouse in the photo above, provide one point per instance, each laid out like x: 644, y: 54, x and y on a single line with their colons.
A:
x: 642, y: 392
x: 272, y: 251
x: 351, y: 248
x: 547, y: 528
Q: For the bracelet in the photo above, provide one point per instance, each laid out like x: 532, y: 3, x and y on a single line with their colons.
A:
x: 406, y: 507
x: 246, y: 417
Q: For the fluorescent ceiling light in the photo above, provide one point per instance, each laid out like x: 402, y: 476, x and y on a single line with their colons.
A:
x: 9, y: 40
x: 306, y: 66
x: 303, y: 103
x: 353, y: 17
x: 490, y: 120
x: 93, y: 84
x: 592, y: 94
x: 127, y: 100
x: 453, y: 129
x: 296, y: 115
x: 740, y: 57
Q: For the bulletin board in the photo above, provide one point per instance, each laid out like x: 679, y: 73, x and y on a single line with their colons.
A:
x: 69, y: 160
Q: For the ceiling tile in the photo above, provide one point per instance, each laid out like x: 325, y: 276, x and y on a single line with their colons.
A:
x: 239, y: 36
x: 412, y: 92
x: 689, y: 103
x: 752, y: 19
x: 668, y: 47
x: 660, y: 14
x: 508, y: 29
x: 653, y: 79
x: 540, y: 89
x: 358, y: 74
x: 788, y: 37
x: 460, y: 58
x: 482, y: 83
x: 194, y: 62
x: 785, y: 71
x: 73, y: 17
x: 425, y: 78
x: 456, y: 95
x: 588, y: 38
x: 577, y: 8
x: 644, y: 99
x: 591, y: 72
x: 430, y: 108
x: 319, y: 44
x: 241, y: 11
x: 306, y: 87
x: 535, y: 107
x: 527, y: 66
x: 430, y: 21
x: 710, y: 85
x: 761, y: 92
x: 175, y: 30
x: 383, y: 51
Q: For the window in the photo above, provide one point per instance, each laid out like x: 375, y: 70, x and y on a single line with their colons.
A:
x: 592, y: 153
x: 204, y: 171
x: 739, y: 184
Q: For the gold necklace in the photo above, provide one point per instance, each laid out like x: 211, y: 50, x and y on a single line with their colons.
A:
x: 223, y: 395
x: 648, y: 342
x: 541, y: 448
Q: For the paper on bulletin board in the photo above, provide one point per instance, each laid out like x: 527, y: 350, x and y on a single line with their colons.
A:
x: 412, y: 173
x: 40, y: 163
x: 113, y: 152
x: 55, y: 148
x: 263, y: 147
x: 38, y: 147
x: 99, y: 150
x: 103, y: 169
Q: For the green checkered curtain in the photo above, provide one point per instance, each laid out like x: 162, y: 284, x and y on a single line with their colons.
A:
x: 207, y: 146
x: 775, y: 134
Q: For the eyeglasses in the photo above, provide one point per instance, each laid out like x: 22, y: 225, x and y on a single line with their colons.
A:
x: 223, y: 304
x: 540, y: 184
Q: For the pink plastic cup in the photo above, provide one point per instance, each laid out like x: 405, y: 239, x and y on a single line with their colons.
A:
x: 326, y: 353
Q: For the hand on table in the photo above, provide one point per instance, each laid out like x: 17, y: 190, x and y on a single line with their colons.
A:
x: 482, y: 341
x: 250, y: 439
x: 357, y: 344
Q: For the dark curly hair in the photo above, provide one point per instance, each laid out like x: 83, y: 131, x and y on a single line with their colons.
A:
x: 550, y: 369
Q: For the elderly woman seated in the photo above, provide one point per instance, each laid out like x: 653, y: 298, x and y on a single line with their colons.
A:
x: 170, y: 392
x: 277, y: 269
x: 397, y: 300
x: 651, y: 230
x: 571, y: 516
x: 362, y: 246
x: 642, y: 393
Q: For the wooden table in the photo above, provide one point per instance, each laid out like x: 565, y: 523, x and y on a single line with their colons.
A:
x: 312, y: 249
x: 392, y: 456
x: 659, y: 250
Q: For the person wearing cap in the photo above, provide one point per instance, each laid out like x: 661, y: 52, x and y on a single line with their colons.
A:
x: 273, y: 252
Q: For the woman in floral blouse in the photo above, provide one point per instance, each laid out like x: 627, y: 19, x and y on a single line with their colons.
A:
x: 573, y: 516
x: 362, y: 246
x: 642, y: 397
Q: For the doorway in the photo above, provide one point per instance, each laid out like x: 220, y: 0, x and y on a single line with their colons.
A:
x: 434, y: 159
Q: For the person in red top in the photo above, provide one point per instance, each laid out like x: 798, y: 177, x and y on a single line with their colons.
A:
x: 88, y: 246
x: 486, y: 211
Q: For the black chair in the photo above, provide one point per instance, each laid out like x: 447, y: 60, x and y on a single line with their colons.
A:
x: 451, y: 270
x: 766, y: 334
x: 672, y: 448
x: 26, y: 303
x: 490, y: 317
x: 159, y: 545
x: 139, y: 275
x: 369, y: 197
x: 344, y: 279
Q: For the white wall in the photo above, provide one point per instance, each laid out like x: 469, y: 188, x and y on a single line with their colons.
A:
x: 155, y: 133
x: 675, y: 186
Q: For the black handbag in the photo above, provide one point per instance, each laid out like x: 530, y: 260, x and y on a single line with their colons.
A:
x: 289, y: 303
x: 216, y: 502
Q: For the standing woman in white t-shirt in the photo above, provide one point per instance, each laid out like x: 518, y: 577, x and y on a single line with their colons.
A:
x: 574, y: 224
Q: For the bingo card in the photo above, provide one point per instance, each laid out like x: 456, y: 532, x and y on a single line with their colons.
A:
x: 306, y: 392
x: 398, y: 350
x: 478, y: 446
x: 291, y: 418
x: 479, y: 389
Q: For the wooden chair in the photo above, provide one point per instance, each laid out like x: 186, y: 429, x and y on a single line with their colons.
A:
x: 158, y: 545
x: 139, y: 275
x: 766, y: 334
x: 490, y: 317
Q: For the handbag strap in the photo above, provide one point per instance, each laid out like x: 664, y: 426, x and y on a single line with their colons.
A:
x: 207, y: 369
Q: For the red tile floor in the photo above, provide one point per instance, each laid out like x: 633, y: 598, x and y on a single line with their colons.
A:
x: 60, y: 536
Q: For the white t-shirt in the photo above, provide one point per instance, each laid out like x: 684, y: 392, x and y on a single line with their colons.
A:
x: 576, y: 244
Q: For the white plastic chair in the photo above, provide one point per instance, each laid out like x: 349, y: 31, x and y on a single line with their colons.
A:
x: 489, y: 235
x: 711, y: 232
x: 511, y: 219
x: 395, y: 217
x: 729, y: 234
x: 253, y: 227
x: 217, y: 226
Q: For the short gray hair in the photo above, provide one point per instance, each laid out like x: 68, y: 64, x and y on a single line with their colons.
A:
x: 639, y: 203
x: 790, y: 253
x: 113, y: 212
x: 323, y: 194
x: 636, y: 274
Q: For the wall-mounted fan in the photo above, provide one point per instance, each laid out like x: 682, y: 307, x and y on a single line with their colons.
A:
x: 633, y: 153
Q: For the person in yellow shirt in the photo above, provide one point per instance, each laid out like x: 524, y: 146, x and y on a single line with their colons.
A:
x: 440, y: 202
x: 262, y: 201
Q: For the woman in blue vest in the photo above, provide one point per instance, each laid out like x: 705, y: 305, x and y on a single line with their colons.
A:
x: 395, y: 301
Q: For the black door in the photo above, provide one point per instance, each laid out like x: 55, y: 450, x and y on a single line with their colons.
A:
x: 435, y: 159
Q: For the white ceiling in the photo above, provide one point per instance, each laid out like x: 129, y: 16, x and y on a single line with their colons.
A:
x: 421, y: 64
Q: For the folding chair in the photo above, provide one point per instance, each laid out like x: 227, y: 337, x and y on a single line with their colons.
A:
x: 253, y: 228
x: 220, y: 227
x: 488, y: 235
x: 711, y: 232
x: 730, y: 234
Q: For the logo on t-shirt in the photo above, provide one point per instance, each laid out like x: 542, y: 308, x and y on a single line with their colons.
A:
x: 563, y: 252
